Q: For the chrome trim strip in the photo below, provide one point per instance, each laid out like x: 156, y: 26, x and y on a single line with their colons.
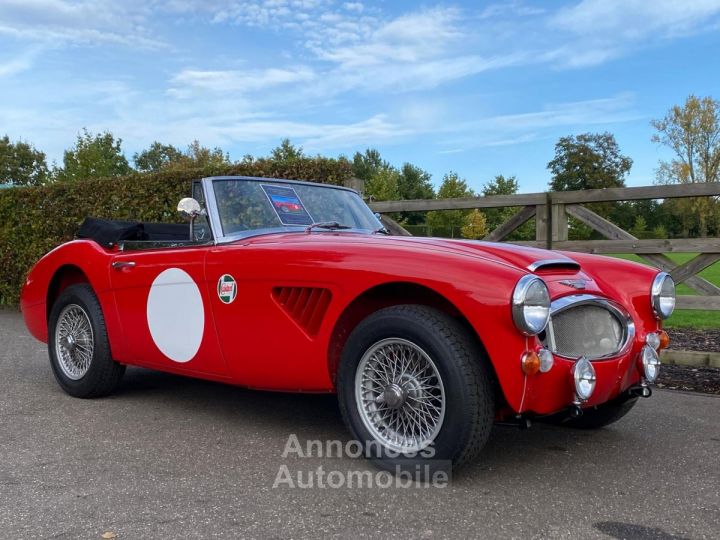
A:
x: 212, y: 210
x: 574, y: 300
x: 537, y: 265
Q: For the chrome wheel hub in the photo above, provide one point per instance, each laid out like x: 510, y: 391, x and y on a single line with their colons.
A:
x: 394, y: 395
x: 400, y: 395
x: 74, y: 342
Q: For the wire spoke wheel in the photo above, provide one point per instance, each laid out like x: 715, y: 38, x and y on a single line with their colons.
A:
x: 74, y: 342
x: 400, y: 395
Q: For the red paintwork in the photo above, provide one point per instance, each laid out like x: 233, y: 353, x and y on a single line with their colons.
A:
x: 254, y: 342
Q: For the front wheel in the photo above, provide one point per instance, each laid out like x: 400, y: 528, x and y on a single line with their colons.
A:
x: 413, y: 389
x: 78, y: 345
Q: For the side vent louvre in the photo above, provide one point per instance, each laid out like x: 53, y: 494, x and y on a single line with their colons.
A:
x: 305, y: 305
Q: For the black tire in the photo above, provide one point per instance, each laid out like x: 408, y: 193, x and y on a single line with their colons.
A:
x: 597, y: 417
x: 103, y: 374
x: 461, y: 365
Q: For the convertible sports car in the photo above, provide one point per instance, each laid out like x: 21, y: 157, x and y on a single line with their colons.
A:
x: 296, y: 286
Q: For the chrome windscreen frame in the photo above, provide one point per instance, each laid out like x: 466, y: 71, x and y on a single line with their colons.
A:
x: 219, y: 237
x: 575, y: 300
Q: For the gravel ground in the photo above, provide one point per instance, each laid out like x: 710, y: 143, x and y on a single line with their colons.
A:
x: 706, y: 380
x: 687, y: 339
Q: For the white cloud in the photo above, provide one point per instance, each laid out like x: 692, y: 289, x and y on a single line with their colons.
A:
x: 354, y: 6
x: 634, y: 19
x: 406, y: 39
x: 348, y: 51
x: 397, y: 56
x: 22, y: 62
x: 509, y: 129
x: 88, y: 22
x: 237, y: 81
x: 602, y: 30
x: 510, y: 8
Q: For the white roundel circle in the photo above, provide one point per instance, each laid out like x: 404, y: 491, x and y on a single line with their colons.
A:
x: 176, y: 315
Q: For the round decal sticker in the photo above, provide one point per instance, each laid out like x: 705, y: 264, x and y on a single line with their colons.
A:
x: 227, y: 289
x: 175, y: 315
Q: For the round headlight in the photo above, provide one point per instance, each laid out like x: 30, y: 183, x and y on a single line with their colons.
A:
x: 662, y: 295
x: 651, y: 363
x: 583, y: 374
x: 531, y: 305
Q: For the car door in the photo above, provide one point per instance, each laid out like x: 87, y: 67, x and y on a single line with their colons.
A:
x: 162, y: 301
x: 266, y: 342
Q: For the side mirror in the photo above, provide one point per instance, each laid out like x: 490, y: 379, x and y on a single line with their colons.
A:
x: 189, y: 208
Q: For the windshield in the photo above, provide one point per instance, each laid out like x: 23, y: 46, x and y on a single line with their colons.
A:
x: 251, y: 206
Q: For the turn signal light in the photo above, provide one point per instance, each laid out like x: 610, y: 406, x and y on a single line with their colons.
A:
x: 664, y: 340
x: 530, y: 363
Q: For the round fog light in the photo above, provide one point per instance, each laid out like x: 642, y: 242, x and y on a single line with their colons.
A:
x: 583, y: 374
x: 653, y: 340
x: 546, y: 360
x: 651, y: 363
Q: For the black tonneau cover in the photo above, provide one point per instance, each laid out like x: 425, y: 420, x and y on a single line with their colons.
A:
x: 107, y: 232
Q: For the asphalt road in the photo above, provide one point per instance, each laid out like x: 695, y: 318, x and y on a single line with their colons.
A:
x: 168, y: 457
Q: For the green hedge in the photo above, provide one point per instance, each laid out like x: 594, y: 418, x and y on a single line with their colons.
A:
x: 33, y: 220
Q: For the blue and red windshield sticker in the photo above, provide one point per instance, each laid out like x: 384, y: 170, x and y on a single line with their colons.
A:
x: 287, y: 205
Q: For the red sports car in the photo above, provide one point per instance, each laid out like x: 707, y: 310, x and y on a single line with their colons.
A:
x: 426, y: 341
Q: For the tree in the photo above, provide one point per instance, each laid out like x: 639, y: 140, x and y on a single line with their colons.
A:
x: 639, y: 229
x: 364, y: 166
x: 414, y: 183
x: 588, y: 161
x: 655, y: 214
x: 157, y: 157
x: 692, y: 131
x: 475, y: 226
x: 452, y: 187
x: 21, y: 164
x: 286, y: 152
x: 93, y: 156
x: 659, y: 231
x: 383, y: 185
x: 202, y: 157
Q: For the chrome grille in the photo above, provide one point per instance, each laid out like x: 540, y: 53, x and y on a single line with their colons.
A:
x: 587, y: 326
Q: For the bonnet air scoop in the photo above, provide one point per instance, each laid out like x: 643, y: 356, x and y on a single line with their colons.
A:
x: 565, y: 263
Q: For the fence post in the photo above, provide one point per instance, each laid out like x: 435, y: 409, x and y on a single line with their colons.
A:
x: 549, y: 221
x: 559, y: 223
x: 541, y: 225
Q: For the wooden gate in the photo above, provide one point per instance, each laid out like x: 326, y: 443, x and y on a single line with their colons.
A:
x: 551, y: 212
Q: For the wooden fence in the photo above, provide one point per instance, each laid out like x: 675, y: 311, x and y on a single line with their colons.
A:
x: 551, y: 212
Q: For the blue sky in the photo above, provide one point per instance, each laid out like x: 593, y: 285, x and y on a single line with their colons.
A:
x: 481, y: 88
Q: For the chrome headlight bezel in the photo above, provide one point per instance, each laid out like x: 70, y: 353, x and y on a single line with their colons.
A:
x: 650, y: 360
x: 662, y: 295
x: 531, y: 293
x: 584, y: 378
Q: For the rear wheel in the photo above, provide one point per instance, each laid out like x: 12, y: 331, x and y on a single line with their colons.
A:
x: 78, y: 345
x: 413, y: 389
